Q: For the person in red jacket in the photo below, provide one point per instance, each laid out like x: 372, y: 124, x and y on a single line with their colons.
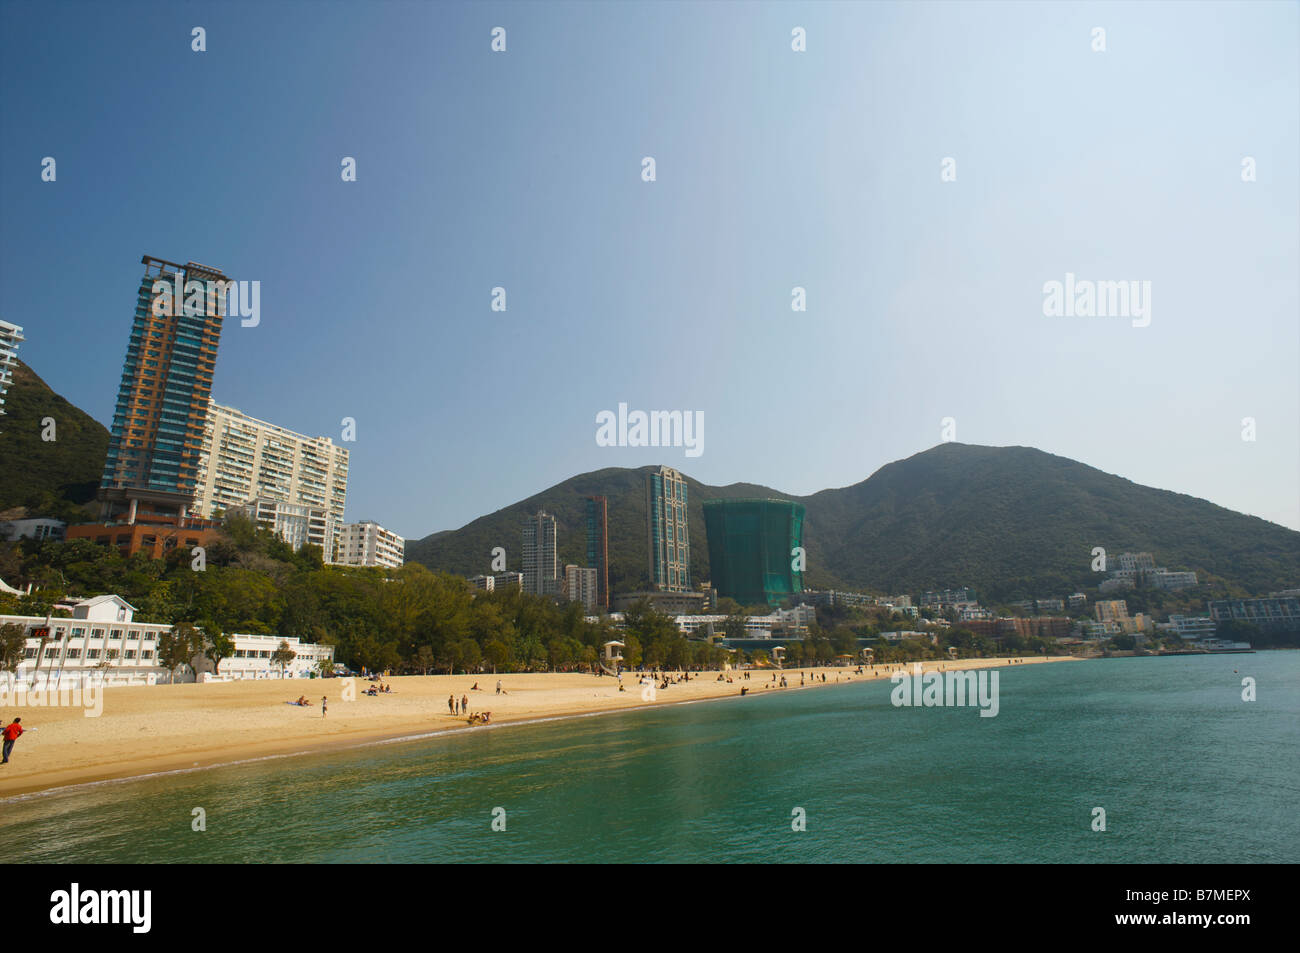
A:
x: 11, y: 733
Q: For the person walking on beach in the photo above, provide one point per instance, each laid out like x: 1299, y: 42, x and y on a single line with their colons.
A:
x: 464, y: 703
x: 11, y: 733
x: 451, y: 704
x: 324, y: 705
x: 498, y: 686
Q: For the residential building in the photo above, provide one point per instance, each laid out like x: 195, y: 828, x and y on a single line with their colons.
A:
x: 581, y: 585
x: 155, y: 535
x: 667, y: 603
x: 244, y: 459
x: 541, y: 566
x: 1192, y: 628
x: 156, y: 441
x: 296, y: 524
x: 484, y: 583
x: 752, y: 549
x: 598, y: 546
x: 947, y: 598
x: 1109, y: 611
x: 1276, y: 614
x: 832, y: 597
x: 1140, y: 562
x: 1078, y: 600
x: 33, y: 529
x: 668, y: 532
x: 1164, y: 579
x: 11, y: 335
x: 504, y: 580
x: 368, y: 544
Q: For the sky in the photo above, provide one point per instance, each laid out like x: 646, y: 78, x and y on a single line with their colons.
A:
x: 820, y: 169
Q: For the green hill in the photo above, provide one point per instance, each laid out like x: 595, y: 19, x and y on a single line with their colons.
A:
x: 47, y: 478
x: 1011, y: 522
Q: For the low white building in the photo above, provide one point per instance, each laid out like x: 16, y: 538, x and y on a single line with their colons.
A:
x: 103, y: 638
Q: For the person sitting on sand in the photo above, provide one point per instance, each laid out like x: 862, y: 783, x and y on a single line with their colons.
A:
x: 475, y: 688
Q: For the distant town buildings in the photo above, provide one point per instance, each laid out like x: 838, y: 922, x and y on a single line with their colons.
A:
x: 753, y: 549
x: 11, y: 335
x: 541, y: 565
x: 366, y: 543
x: 668, y: 531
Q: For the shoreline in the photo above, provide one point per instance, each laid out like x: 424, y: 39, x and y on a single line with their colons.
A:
x: 189, y: 726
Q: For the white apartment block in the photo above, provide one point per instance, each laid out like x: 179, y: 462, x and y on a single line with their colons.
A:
x: 295, y: 523
x: 247, y: 459
x: 102, y: 640
x: 368, y: 544
x: 484, y: 583
x: 580, y: 586
x: 11, y: 335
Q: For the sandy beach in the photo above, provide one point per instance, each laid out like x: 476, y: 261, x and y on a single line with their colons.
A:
x: 147, y: 729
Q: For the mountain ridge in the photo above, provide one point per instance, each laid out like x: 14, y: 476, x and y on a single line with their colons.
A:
x: 1008, y: 521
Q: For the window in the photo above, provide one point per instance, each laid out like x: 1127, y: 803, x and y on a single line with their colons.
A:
x: 129, y: 653
x: 90, y: 653
x: 146, y: 654
x: 74, y: 653
x: 51, y: 653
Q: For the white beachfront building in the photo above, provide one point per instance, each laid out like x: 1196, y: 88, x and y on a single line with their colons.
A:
x: 102, y: 638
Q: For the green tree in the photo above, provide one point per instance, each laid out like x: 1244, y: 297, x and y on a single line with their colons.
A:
x: 283, y: 656
x: 13, y: 639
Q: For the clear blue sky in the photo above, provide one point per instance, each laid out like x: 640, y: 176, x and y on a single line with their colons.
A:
x: 775, y: 169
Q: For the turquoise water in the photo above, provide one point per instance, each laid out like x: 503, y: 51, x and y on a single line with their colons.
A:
x: 1186, y: 771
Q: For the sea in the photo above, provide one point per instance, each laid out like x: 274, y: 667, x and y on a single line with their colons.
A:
x: 1127, y: 760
